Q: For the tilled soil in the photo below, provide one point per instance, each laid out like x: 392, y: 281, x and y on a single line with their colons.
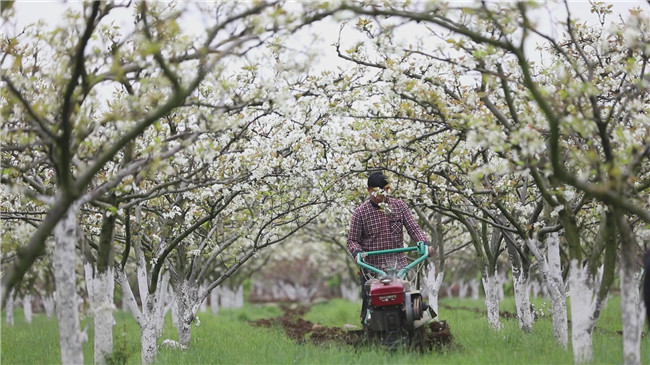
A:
x: 435, y: 334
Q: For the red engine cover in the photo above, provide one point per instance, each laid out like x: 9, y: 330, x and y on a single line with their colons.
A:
x: 385, y: 292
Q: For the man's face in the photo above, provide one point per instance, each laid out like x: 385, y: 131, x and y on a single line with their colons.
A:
x: 378, y: 195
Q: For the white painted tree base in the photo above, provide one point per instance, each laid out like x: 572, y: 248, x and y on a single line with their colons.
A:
x: 491, y: 286
x: 9, y: 308
x: 550, y: 270
x: 100, y: 288
x: 582, y: 291
x: 522, y: 301
x: 71, y: 338
x: 432, y: 283
x: 27, y: 308
x: 48, y: 305
x: 632, y: 314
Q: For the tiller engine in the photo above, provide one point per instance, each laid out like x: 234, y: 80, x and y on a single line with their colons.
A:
x: 395, y: 313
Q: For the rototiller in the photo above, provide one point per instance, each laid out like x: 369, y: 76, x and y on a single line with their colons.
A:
x: 396, y: 312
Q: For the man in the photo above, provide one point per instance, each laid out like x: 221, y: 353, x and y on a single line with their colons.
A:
x: 377, y: 224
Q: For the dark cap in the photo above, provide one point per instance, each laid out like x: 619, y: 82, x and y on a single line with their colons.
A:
x: 377, y: 180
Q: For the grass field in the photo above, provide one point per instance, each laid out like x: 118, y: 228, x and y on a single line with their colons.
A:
x: 230, y: 339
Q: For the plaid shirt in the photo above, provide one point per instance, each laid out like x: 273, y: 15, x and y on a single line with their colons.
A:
x: 372, y: 229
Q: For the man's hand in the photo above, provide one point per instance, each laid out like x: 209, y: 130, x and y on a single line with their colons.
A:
x: 430, y: 251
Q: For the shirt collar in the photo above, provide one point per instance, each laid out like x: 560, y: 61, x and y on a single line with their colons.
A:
x: 377, y: 205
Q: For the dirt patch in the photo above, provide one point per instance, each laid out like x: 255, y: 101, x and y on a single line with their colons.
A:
x: 434, y: 334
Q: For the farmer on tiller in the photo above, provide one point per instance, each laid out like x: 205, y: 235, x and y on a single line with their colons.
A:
x: 377, y: 225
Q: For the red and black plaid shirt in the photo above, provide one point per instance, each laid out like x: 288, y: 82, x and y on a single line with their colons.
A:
x: 371, y: 229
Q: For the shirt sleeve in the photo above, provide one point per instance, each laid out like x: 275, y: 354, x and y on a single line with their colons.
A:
x: 412, y: 226
x: 354, y: 234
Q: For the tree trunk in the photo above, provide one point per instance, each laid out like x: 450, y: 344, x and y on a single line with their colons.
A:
x: 462, y: 289
x: 522, y: 299
x: 214, y: 301
x: 551, y: 272
x: 148, y: 337
x: 582, y: 292
x: 149, y: 318
x: 71, y: 338
x: 48, y: 304
x: 491, y: 286
x: 100, y: 287
x: 239, y: 296
x: 500, y: 291
x: 534, y: 288
x: 432, y: 282
x: 187, y: 296
x: 174, y: 310
x: 632, y: 312
x: 9, y: 308
x: 204, y: 303
x: 27, y: 308
x: 474, y: 287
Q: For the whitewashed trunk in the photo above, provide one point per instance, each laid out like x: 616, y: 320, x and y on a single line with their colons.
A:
x: 161, y: 298
x: 350, y: 292
x: 551, y: 271
x: 582, y: 290
x: 632, y: 315
x: 150, y: 317
x: 100, y: 288
x: 500, y: 290
x: 545, y: 293
x: 214, y: 301
x: 128, y: 299
x: 48, y: 304
x: 462, y: 289
x: 71, y: 338
x: 204, y: 304
x: 522, y: 300
x: 170, y: 303
x: 239, y: 296
x: 9, y: 308
x: 432, y: 283
x: 187, y: 296
x: 184, y: 325
x: 474, y: 287
x: 556, y: 290
x: 174, y: 310
x: 226, y: 297
x: 151, y: 328
x: 535, y: 288
x: 491, y: 286
x: 27, y: 308
x: 148, y: 341
x: 258, y: 290
x: 144, y: 317
x: 276, y: 293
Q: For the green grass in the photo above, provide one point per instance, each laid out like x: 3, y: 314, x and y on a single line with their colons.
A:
x: 229, y: 339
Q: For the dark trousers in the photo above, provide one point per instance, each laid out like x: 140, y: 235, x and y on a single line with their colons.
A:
x: 364, y: 294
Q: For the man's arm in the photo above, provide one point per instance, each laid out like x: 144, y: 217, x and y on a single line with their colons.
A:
x: 414, y: 230
x: 354, y: 235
